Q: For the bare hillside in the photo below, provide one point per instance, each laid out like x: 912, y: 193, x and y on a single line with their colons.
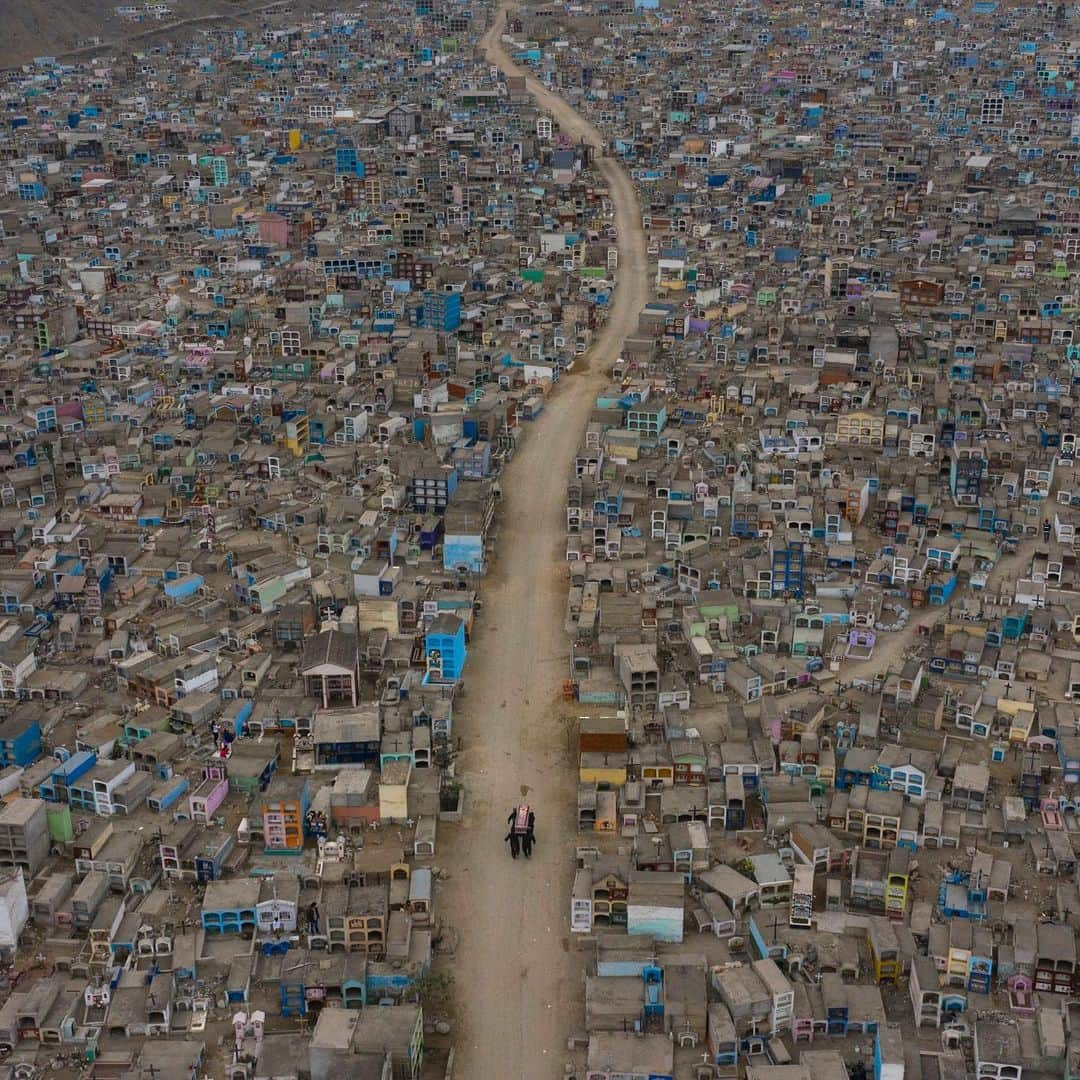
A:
x: 51, y: 27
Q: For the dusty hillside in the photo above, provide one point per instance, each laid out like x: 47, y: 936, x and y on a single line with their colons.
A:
x: 50, y: 27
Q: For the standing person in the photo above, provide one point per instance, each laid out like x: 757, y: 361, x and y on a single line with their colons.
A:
x: 514, y: 843
x: 529, y: 839
x: 313, y: 918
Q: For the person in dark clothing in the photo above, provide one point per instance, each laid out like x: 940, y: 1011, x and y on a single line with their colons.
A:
x: 313, y: 918
x: 527, y: 844
x: 514, y: 843
x: 529, y: 839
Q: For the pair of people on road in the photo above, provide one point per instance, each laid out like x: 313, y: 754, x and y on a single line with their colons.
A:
x: 522, y: 834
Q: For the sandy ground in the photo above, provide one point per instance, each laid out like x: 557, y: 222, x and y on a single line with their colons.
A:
x: 519, y: 986
x: 56, y: 27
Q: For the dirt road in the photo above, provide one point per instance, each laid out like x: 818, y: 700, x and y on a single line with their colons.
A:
x: 519, y: 988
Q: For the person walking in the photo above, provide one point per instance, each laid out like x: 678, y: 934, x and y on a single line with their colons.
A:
x: 515, y: 843
x: 529, y: 839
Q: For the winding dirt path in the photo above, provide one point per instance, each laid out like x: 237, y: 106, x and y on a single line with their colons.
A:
x: 519, y: 984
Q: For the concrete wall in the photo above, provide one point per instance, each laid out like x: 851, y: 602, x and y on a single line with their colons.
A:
x: 463, y: 551
x: 664, y: 924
